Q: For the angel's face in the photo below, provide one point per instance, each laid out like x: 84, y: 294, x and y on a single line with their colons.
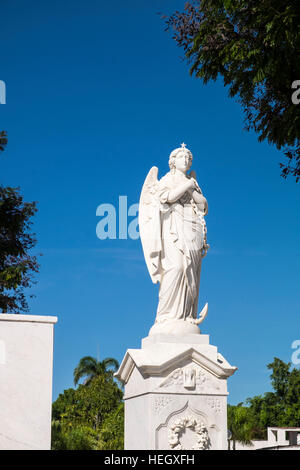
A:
x: 182, y: 162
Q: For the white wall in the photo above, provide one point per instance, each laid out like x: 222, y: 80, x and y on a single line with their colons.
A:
x: 26, y: 357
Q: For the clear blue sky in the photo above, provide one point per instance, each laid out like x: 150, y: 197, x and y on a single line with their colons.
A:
x: 97, y: 93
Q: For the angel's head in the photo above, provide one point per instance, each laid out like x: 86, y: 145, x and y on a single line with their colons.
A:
x: 181, y: 159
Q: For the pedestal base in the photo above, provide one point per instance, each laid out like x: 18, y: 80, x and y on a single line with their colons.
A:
x: 175, y: 394
x: 174, y: 327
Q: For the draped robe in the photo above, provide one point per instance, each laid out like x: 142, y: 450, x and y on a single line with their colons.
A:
x: 178, y: 245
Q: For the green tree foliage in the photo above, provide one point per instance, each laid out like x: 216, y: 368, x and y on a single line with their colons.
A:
x: 89, y: 367
x: 280, y: 407
x: 280, y: 377
x: 65, y: 401
x: 254, y: 46
x: 3, y: 140
x: 17, y: 265
x: 241, y: 424
x: 89, y: 417
x: 79, y: 437
x: 112, y: 431
x: 88, y: 405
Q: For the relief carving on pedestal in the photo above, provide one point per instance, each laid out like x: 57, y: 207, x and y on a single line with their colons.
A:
x: 161, y: 402
x: 189, y: 378
x: 179, y: 427
x: 214, y: 403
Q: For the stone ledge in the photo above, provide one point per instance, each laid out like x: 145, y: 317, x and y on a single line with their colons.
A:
x: 27, y: 318
x: 157, y: 360
x: 178, y: 339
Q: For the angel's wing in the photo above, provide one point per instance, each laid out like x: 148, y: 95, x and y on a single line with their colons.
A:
x: 149, y: 188
x: 149, y: 221
x: 176, y: 377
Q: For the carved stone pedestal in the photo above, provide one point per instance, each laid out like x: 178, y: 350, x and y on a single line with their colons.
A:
x: 175, y: 394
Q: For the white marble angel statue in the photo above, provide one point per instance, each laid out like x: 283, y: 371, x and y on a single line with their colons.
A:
x: 173, y: 235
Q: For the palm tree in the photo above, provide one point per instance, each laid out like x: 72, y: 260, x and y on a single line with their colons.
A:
x: 240, y: 424
x: 89, y: 367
